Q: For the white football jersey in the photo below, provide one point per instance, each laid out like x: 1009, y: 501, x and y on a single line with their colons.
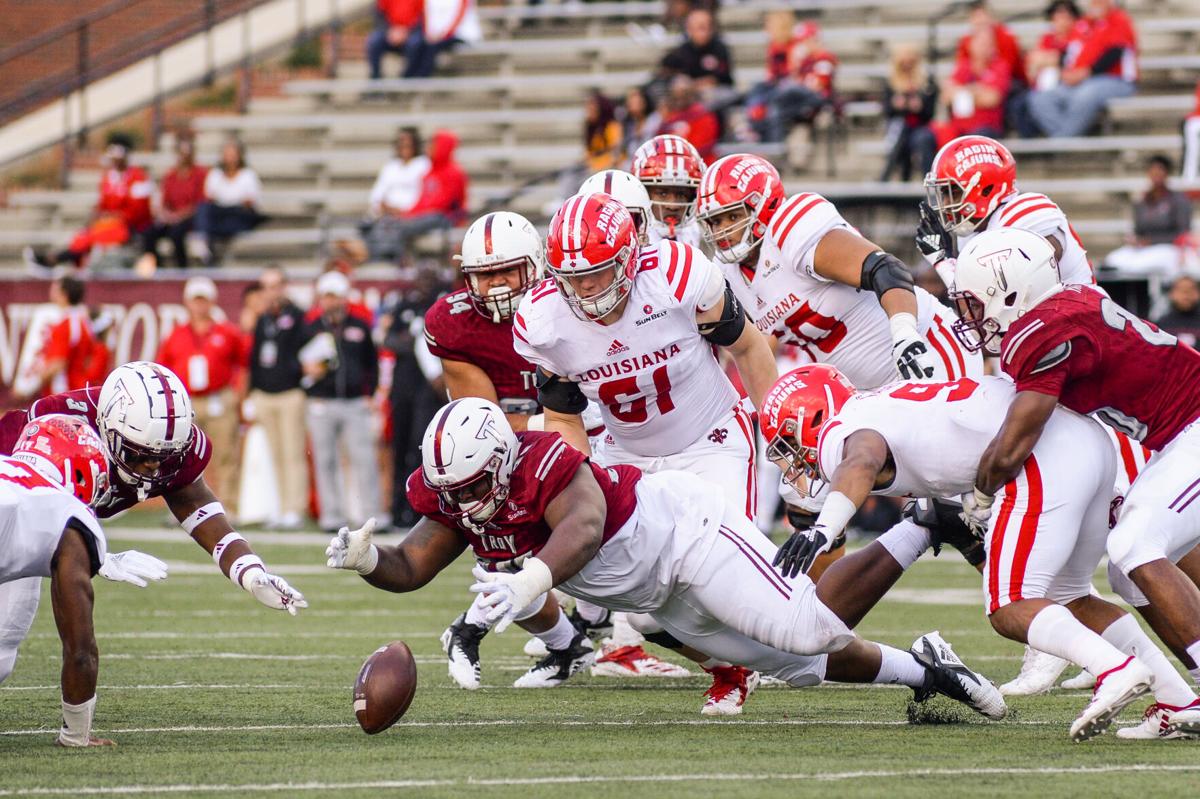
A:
x: 656, y: 379
x: 1038, y: 214
x: 829, y: 321
x: 689, y: 234
x: 33, y: 514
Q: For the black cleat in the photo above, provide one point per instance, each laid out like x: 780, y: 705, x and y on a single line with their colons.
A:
x: 947, y: 675
x: 557, y: 667
x: 460, y: 642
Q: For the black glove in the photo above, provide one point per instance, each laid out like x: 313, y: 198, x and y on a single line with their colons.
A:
x: 800, y: 550
x: 934, y: 241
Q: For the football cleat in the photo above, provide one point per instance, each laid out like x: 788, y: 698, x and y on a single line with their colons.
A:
x: 1115, y: 689
x: 536, y: 648
x: 1160, y: 723
x: 633, y: 661
x: 595, y: 630
x: 731, y: 687
x: 1039, y: 670
x: 1083, y: 681
x: 558, y: 666
x: 460, y: 642
x: 947, y: 675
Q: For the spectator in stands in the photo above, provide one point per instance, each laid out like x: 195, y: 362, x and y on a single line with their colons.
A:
x: 701, y: 56
x: 276, y: 394
x: 341, y: 372
x: 909, y: 102
x: 1191, y: 142
x: 208, y: 354
x: 181, y: 192
x: 399, y: 182
x: 684, y: 115
x: 638, y: 121
x: 1161, y: 219
x: 72, y: 356
x: 1183, y: 318
x: 440, y: 204
x: 400, y: 28
x: 1044, y: 64
x: 804, y: 90
x: 1101, y: 68
x: 232, y: 193
x: 976, y: 91
x: 122, y: 211
x: 981, y: 18
x: 601, y: 133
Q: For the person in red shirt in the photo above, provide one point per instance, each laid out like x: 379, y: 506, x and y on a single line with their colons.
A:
x: 72, y: 357
x: 684, y: 115
x: 122, y: 211
x: 981, y: 18
x: 400, y: 28
x: 976, y: 92
x: 208, y: 354
x: 1100, y: 65
x: 805, y: 89
x: 182, y: 190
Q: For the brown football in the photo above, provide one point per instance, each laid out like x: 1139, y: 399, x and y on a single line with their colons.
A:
x: 385, y: 687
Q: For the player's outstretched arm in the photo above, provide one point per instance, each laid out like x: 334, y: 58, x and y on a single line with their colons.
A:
x: 201, y: 515
x: 1003, y: 458
x: 427, y: 549
x: 71, y: 595
x: 724, y: 324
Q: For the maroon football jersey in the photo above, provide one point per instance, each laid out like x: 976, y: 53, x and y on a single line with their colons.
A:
x: 454, y: 330
x: 121, y: 495
x: 546, y: 464
x: 1095, y: 356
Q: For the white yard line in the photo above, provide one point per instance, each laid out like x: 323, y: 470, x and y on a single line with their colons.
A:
x: 823, y: 776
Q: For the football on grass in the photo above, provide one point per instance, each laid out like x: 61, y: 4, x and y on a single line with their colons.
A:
x: 385, y: 687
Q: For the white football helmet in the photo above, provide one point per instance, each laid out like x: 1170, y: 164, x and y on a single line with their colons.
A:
x: 497, y: 242
x: 467, y: 457
x: 145, y: 414
x: 1000, y: 275
x: 627, y: 190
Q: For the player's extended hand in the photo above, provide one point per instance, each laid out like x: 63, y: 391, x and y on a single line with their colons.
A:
x: 801, y: 549
x: 132, y: 567
x: 352, y: 549
x: 913, y: 359
x: 274, y: 591
x: 977, y: 509
x: 934, y: 241
x: 508, y: 594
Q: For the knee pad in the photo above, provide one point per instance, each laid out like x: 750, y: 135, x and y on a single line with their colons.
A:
x: 1125, y: 588
x: 1134, y: 541
x: 664, y: 639
x: 532, y: 609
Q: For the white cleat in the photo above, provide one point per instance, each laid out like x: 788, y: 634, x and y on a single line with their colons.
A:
x: 949, y: 676
x: 1165, y: 723
x: 559, y: 665
x: 731, y: 687
x: 1039, y: 671
x: 1115, y: 689
x: 460, y: 642
x: 633, y: 661
x: 1083, y: 681
x: 536, y: 648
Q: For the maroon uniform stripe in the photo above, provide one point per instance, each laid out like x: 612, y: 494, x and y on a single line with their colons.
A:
x: 169, y: 398
x: 487, y: 234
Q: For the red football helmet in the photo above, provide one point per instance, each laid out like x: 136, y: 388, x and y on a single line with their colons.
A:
x: 590, y: 235
x: 67, y: 451
x: 795, y: 410
x: 670, y: 162
x: 968, y: 179
x: 746, y: 183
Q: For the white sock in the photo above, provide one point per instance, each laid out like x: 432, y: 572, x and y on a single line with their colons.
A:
x: 476, y: 614
x: 905, y: 542
x: 624, y: 633
x: 590, y: 613
x: 1195, y: 675
x: 560, y: 635
x: 899, y: 668
x: 1169, y: 688
x: 1056, y: 631
x: 713, y: 663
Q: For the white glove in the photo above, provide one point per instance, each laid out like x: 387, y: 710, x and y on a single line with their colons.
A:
x: 274, y: 591
x: 352, y: 549
x: 977, y: 509
x: 909, y: 350
x: 508, y: 594
x: 132, y: 567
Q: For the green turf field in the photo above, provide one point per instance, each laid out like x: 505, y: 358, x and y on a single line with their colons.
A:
x: 209, y: 694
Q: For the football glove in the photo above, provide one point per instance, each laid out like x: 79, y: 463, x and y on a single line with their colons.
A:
x: 352, y: 549
x: 801, y: 549
x: 977, y: 509
x: 934, y: 241
x: 913, y: 359
x: 508, y: 594
x: 132, y: 567
x: 274, y: 591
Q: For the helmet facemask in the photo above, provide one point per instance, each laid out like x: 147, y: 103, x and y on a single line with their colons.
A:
x: 974, y: 329
x: 670, y: 215
x: 797, y: 460
x: 127, y: 456
x: 601, y: 304
x: 735, y: 242
x: 477, y: 499
x: 500, y: 302
x: 947, y: 198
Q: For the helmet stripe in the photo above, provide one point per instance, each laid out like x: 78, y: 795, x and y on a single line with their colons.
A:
x: 487, y: 234
x: 574, y: 219
x: 438, y: 458
x: 168, y: 398
x: 608, y: 179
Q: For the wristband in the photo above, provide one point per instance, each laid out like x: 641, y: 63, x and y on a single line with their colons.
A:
x: 983, y: 500
x: 538, y: 574
x: 223, y: 544
x: 372, y: 560
x: 201, y: 515
x: 901, y: 324
x: 242, y: 566
x: 837, y: 512
x: 77, y: 723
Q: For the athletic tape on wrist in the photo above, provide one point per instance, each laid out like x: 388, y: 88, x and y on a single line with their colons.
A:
x: 200, y: 516
x: 77, y: 723
x: 244, y: 565
x: 223, y: 545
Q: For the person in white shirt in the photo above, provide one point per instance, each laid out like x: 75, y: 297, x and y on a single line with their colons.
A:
x: 232, y: 194
x: 396, y: 189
